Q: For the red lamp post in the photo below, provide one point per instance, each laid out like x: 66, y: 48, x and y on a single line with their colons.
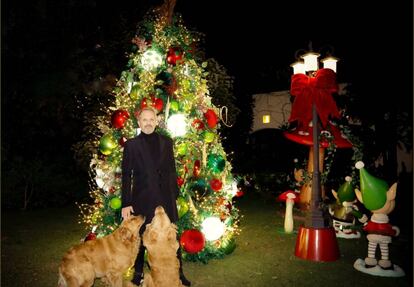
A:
x: 313, y: 103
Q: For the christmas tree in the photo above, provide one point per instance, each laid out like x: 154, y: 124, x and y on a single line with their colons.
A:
x: 166, y: 72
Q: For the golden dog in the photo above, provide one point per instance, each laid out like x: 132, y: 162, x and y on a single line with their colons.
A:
x: 107, y: 257
x: 160, y: 239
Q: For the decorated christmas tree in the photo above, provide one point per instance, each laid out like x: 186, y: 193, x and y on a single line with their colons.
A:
x: 165, y: 71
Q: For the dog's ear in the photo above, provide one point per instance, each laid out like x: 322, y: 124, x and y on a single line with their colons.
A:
x: 125, y: 233
x: 172, y: 237
x: 153, y: 236
x: 172, y: 234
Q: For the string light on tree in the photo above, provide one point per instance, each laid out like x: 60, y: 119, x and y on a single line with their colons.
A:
x: 165, y: 72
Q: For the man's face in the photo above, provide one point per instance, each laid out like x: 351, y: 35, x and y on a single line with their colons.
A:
x: 147, y: 121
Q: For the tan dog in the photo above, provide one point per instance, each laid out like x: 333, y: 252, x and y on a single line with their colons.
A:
x: 107, y: 257
x: 160, y: 239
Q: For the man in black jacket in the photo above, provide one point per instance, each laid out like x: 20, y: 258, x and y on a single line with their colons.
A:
x: 149, y: 179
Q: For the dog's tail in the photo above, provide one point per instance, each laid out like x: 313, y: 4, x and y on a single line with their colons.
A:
x: 62, y: 281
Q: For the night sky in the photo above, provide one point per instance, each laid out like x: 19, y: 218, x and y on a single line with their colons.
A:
x: 255, y: 40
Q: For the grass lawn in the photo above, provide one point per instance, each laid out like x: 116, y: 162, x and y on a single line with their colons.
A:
x: 33, y: 242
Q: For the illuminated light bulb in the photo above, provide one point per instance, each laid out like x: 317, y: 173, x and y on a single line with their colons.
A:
x: 298, y: 67
x: 213, y: 228
x: 311, y: 61
x: 151, y: 59
x: 177, y: 125
x: 330, y: 63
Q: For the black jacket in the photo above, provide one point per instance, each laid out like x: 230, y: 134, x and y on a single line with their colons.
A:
x: 147, y: 183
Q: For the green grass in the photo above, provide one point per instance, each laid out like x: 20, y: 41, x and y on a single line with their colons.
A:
x: 33, y: 243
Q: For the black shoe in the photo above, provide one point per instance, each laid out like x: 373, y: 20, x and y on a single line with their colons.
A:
x: 184, y: 280
x: 138, y: 279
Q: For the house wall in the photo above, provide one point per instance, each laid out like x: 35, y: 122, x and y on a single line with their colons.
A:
x: 275, y: 104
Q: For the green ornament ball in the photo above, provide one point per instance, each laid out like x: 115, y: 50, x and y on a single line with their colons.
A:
x: 208, y: 136
x: 215, y: 163
x: 199, y: 185
x: 115, y: 203
x: 182, y: 149
x: 182, y: 206
x: 108, y: 220
x: 134, y: 92
x: 107, y: 144
x: 229, y: 246
x: 174, y: 106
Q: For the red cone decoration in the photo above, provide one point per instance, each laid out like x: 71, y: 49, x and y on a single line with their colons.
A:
x: 211, y: 118
x: 192, y: 241
x: 196, y: 168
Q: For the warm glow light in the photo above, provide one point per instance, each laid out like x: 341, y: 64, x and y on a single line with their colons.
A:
x: 151, y: 59
x: 213, y: 228
x: 266, y: 119
x: 330, y: 63
x: 298, y: 68
x: 311, y: 61
x: 177, y: 125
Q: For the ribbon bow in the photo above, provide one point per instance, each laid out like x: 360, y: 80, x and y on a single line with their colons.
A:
x: 314, y: 90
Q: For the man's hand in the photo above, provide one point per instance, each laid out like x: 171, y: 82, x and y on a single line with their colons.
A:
x: 127, y: 212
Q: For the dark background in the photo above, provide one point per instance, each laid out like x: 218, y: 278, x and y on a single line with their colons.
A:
x: 52, y: 50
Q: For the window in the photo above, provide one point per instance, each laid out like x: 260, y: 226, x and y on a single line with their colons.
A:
x: 266, y: 119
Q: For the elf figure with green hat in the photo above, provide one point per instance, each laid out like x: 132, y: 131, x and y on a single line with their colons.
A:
x: 344, y: 211
x: 380, y: 200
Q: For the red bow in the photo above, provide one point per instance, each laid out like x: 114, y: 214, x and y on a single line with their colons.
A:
x: 318, y: 90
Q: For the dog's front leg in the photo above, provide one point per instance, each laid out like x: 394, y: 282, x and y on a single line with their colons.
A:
x: 148, y: 282
x: 115, y: 280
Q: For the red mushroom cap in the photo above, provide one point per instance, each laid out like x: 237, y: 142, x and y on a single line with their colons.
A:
x: 292, y: 195
x: 305, y: 137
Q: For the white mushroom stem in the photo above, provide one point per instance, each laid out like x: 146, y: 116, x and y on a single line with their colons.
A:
x: 289, y: 215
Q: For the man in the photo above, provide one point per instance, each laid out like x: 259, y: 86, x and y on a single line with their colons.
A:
x: 149, y: 179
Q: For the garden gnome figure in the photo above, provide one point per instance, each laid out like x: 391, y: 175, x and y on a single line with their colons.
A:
x: 344, y: 211
x: 380, y: 200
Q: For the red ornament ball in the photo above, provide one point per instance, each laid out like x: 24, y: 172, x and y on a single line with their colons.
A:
x: 239, y: 193
x: 174, y: 56
x: 90, y: 236
x: 154, y: 102
x: 192, y: 240
x: 180, y: 181
x: 216, y: 184
x: 118, y: 119
x: 157, y: 103
x: 198, y: 124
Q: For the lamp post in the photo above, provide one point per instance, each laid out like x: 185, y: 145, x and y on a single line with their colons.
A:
x: 316, y: 240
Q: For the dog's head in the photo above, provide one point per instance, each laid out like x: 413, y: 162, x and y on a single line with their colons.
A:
x: 161, y: 230
x: 129, y: 228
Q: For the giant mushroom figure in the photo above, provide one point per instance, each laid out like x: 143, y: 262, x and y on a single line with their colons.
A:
x: 304, y: 136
